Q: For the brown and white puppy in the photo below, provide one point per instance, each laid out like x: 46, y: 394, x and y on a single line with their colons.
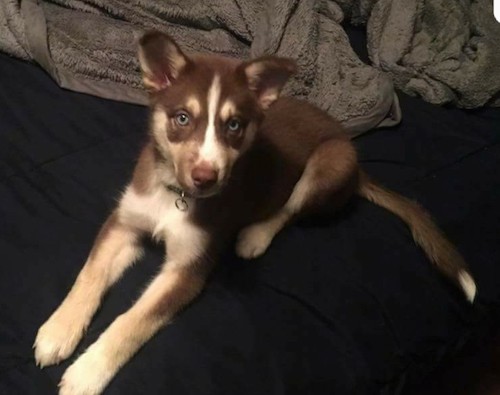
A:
x: 225, y: 157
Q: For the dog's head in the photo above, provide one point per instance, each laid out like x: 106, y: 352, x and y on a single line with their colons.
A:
x: 206, y: 109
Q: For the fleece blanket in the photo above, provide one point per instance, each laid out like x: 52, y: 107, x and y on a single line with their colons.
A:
x: 443, y: 50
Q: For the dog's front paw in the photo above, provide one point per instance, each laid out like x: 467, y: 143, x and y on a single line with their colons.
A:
x: 88, y: 375
x: 254, y: 240
x: 57, y: 339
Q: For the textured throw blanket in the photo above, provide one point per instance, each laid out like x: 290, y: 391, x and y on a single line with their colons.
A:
x: 447, y: 51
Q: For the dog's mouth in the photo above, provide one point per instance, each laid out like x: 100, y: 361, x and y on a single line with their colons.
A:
x: 201, y: 194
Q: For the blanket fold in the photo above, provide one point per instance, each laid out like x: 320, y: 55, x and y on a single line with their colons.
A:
x: 446, y: 51
x: 90, y: 46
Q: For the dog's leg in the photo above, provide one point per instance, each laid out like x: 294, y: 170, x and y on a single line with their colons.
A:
x: 180, y: 281
x: 327, y: 176
x: 115, y: 248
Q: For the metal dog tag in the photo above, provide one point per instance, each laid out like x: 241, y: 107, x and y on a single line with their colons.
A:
x: 181, y: 203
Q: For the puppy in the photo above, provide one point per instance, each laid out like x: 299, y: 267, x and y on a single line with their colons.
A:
x: 226, y: 157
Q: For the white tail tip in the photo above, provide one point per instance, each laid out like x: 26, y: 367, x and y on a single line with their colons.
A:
x: 468, y: 285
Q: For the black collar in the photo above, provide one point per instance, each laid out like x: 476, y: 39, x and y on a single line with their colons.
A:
x: 178, y: 190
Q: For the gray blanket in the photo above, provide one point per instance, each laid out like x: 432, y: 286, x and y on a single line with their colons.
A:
x: 90, y: 46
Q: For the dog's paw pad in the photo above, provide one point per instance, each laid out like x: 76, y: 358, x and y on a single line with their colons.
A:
x: 254, y: 240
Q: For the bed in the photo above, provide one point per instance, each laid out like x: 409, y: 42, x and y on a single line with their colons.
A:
x: 346, y: 306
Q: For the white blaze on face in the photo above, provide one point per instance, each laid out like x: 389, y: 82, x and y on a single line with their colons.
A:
x: 211, y: 150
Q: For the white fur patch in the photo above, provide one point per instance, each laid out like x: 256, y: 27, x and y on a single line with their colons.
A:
x: 89, y: 374
x: 468, y: 285
x: 58, y: 337
x: 193, y: 106
x: 211, y: 150
x: 227, y: 110
x: 152, y: 212
x: 159, y: 121
x: 300, y: 193
x: 254, y: 240
x: 156, y: 212
x: 159, y: 125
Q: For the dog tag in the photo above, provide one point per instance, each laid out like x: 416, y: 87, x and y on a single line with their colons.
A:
x: 181, y: 204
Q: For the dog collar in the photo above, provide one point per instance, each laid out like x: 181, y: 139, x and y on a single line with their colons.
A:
x: 180, y: 203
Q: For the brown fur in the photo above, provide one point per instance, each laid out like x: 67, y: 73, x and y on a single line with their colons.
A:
x: 425, y: 232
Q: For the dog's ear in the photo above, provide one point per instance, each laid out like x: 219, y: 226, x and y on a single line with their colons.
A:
x: 161, y: 60
x: 266, y: 76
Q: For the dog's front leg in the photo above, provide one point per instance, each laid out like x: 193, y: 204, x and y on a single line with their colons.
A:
x: 179, y: 282
x: 324, y: 182
x: 114, y: 250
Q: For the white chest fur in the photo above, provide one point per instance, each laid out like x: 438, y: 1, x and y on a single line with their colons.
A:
x: 154, y: 212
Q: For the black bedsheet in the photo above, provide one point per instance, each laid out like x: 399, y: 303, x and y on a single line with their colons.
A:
x: 348, y: 306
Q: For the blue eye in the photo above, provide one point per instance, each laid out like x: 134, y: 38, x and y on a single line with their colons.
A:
x: 233, y: 125
x: 182, y: 119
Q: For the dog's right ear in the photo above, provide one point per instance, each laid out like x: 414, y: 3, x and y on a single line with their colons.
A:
x: 161, y: 60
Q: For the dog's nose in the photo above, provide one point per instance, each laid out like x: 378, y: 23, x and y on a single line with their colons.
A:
x: 204, y: 176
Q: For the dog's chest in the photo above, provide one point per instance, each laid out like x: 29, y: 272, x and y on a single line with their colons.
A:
x: 155, y: 212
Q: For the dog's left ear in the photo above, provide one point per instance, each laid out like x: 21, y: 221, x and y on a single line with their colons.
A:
x: 266, y: 76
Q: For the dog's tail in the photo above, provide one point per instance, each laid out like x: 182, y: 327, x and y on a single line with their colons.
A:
x: 425, y: 233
